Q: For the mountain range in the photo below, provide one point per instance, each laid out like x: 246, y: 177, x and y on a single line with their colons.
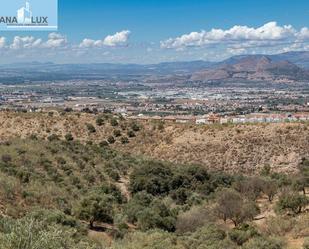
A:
x: 253, y: 68
x: 283, y: 68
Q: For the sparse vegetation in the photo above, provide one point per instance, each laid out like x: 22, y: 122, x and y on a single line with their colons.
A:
x: 231, y: 205
x: 99, y: 121
x: 117, y: 133
x: 292, y: 201
x: 57, y: 191
x: 124, y: 140
x: 114, y: 122
x: 69, y: 137
x: 91, y: 128
x: 111, y: 139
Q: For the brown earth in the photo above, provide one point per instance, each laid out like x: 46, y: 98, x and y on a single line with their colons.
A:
x: 233, y: 148
x: 254, y: 68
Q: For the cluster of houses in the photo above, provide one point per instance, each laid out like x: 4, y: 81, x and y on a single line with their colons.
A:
x: 216, y: 119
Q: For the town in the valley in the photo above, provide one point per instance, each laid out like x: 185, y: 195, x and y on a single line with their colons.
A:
x: 161, y: 102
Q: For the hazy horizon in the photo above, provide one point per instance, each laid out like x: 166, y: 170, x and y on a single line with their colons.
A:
x: 147, y: 32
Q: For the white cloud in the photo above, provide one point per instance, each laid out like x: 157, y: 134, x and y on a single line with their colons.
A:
x: 55, y: 40
x: 118, y: 39
x: 215, y: 44
x: 303, y: 34
x: 89, y: 43
x: 25, y: 42
x: 29, y: 42
x: 270, y: 32
x: 2, y: 42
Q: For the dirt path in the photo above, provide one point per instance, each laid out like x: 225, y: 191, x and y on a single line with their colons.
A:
x: 295, y: 243
x: 123, y: 184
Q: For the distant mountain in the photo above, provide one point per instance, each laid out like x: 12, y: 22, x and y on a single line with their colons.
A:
x: 300, y: 58
x: 182, y: 67
x: 253, y: 68
x: 160, y: 68
x: 285, y: 67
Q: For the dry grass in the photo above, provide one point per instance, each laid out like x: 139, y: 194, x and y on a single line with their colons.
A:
x: 233, y: 148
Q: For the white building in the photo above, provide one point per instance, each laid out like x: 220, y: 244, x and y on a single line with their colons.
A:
x: 224, y: 121
x: 24, y: 14
x: 201, y: 121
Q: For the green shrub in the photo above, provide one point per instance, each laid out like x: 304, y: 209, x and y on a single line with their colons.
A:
x: 250, y: 187
x: 193, y: 219
x: 264, y: 243
x: 29, y: 233
x: 283, y: 180
x: 117, y: 133
x: 69, y: 137
x: 33, y: 137
x: 140, y: 201
x: 103, y: 143
x: 111, y: 140
x: 135, y: 127
x: 266, y: 170
x: 91, y: 128
x: 242, y: 234
x: 190, y: 177
x: 96, y: 207
x: 111, y: 189
x: 292, y: 201
x: 99, y: 121
x: 50, y: 217
x: 114, y: 122
x: 161, y: 126
x: 269, y: 188
x: 131, y: 133
x: 157, y: 215
x: 114, y: 174
x: 279, y: 225
x: 231, y: 205
x: 6, y: 158
x: 180, y: 195
x: 53, y: 137
x: 124, y: 140
x: 207, y: 237
x: 152, y: 177
x: 147, y: 240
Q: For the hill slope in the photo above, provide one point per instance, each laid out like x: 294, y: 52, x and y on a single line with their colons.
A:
x: 61, y: 190
x: 253, y: 68
x: 241, y: 148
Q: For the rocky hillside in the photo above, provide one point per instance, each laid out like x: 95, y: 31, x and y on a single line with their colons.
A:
x: 233, y: 148
x: 253, y: 68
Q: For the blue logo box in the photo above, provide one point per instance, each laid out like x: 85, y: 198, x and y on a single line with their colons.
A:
x: 29, y: 15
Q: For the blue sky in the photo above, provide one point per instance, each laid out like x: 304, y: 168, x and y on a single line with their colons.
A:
x: 138, y: 31
x: 154, y: 20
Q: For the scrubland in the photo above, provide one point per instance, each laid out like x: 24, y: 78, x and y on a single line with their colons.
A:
x: 76, y: 180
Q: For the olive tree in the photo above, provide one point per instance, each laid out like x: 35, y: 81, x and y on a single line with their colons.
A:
x: 231, y: 205
x: 292, y: 201
x: 96, y: 207
x: 269, y: 188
